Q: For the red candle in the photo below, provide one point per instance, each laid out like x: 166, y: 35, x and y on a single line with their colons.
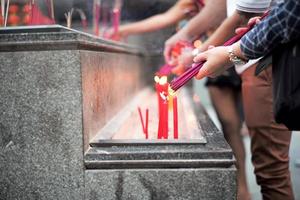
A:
x: 164, y: 98
x: 165, y: 118
x: 175, y: 117
x: 158, y: 90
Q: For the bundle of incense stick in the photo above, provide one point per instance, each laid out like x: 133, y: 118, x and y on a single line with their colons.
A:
x: 4, y: 12
x: 116, y: 14
x: 50, y: 7
x: 144, y: 125
x: 193, y: 71
x: 68, y: 16
x: 83, y: 19
x: 105, y: 17
x: 96, y: 14
x: 32, y: 6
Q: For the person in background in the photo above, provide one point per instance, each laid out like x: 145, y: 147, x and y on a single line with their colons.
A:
x: 224, y: 91
x: 183, y: 9
x: 215, y: 12
x: 269, y: 141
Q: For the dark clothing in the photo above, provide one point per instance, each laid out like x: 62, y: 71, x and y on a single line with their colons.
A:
x: 229, y: 79
x: 269, y: 141
x: 281, y: 26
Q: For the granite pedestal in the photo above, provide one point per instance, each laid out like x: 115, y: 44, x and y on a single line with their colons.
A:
x: 59, y: 90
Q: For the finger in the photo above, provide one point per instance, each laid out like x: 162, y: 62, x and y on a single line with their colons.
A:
x: 240, y: 30
x: 173, y: 62
x: 203, y: 72
x: 167, y: 53
x: 176, y: 70
x: 253, y: 20
x: 200, y: 57
x: 211, y: 47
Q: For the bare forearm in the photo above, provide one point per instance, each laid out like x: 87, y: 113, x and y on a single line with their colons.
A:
x: 224, y: 32
x: 151, y: 24
x: 210, y: 16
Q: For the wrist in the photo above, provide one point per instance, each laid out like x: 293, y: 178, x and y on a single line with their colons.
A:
x: 185, y: 35
x: 236, y: 47
x: 234, y: 57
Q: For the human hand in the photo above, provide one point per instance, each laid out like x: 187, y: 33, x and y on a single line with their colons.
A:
x: 253, y: 20
x: 121, y: 34
x: 171, y: 43
x: 217, y: 61
x: 184, y: 61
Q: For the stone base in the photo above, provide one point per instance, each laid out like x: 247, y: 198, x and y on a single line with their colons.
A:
x: 161, y: 184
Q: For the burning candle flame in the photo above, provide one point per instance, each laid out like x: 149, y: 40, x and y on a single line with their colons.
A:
x: 163, y: 80
x: 156, y: 79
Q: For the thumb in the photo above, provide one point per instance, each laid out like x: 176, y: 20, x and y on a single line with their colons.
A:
x: 200, y: 57
x: 203, y: 72
x: 240, y: 30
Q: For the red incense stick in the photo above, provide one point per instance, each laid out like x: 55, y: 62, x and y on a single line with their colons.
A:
x: 50, y: 8
x: 193, y: 71
x: 116, y: 14
x: 83, y: 19
x: 141, y: 118
x: 147, y: 122
x: 175, y: 117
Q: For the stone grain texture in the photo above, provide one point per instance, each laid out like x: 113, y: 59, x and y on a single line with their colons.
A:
x: 41, y: 146
x: 161, y: 184
x: 58, y: 88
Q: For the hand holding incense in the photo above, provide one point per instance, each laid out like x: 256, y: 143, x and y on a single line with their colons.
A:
x: 193, y: 71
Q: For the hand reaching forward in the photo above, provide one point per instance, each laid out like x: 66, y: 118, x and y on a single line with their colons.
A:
x: 217, y: 61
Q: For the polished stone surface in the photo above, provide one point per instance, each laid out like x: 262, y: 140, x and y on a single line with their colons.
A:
x: 41, y: 145
x: 109, y: 81
x: 56, y: 37
x: 161, y: 184
x: 58, y: 89
x: 49, y: 99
